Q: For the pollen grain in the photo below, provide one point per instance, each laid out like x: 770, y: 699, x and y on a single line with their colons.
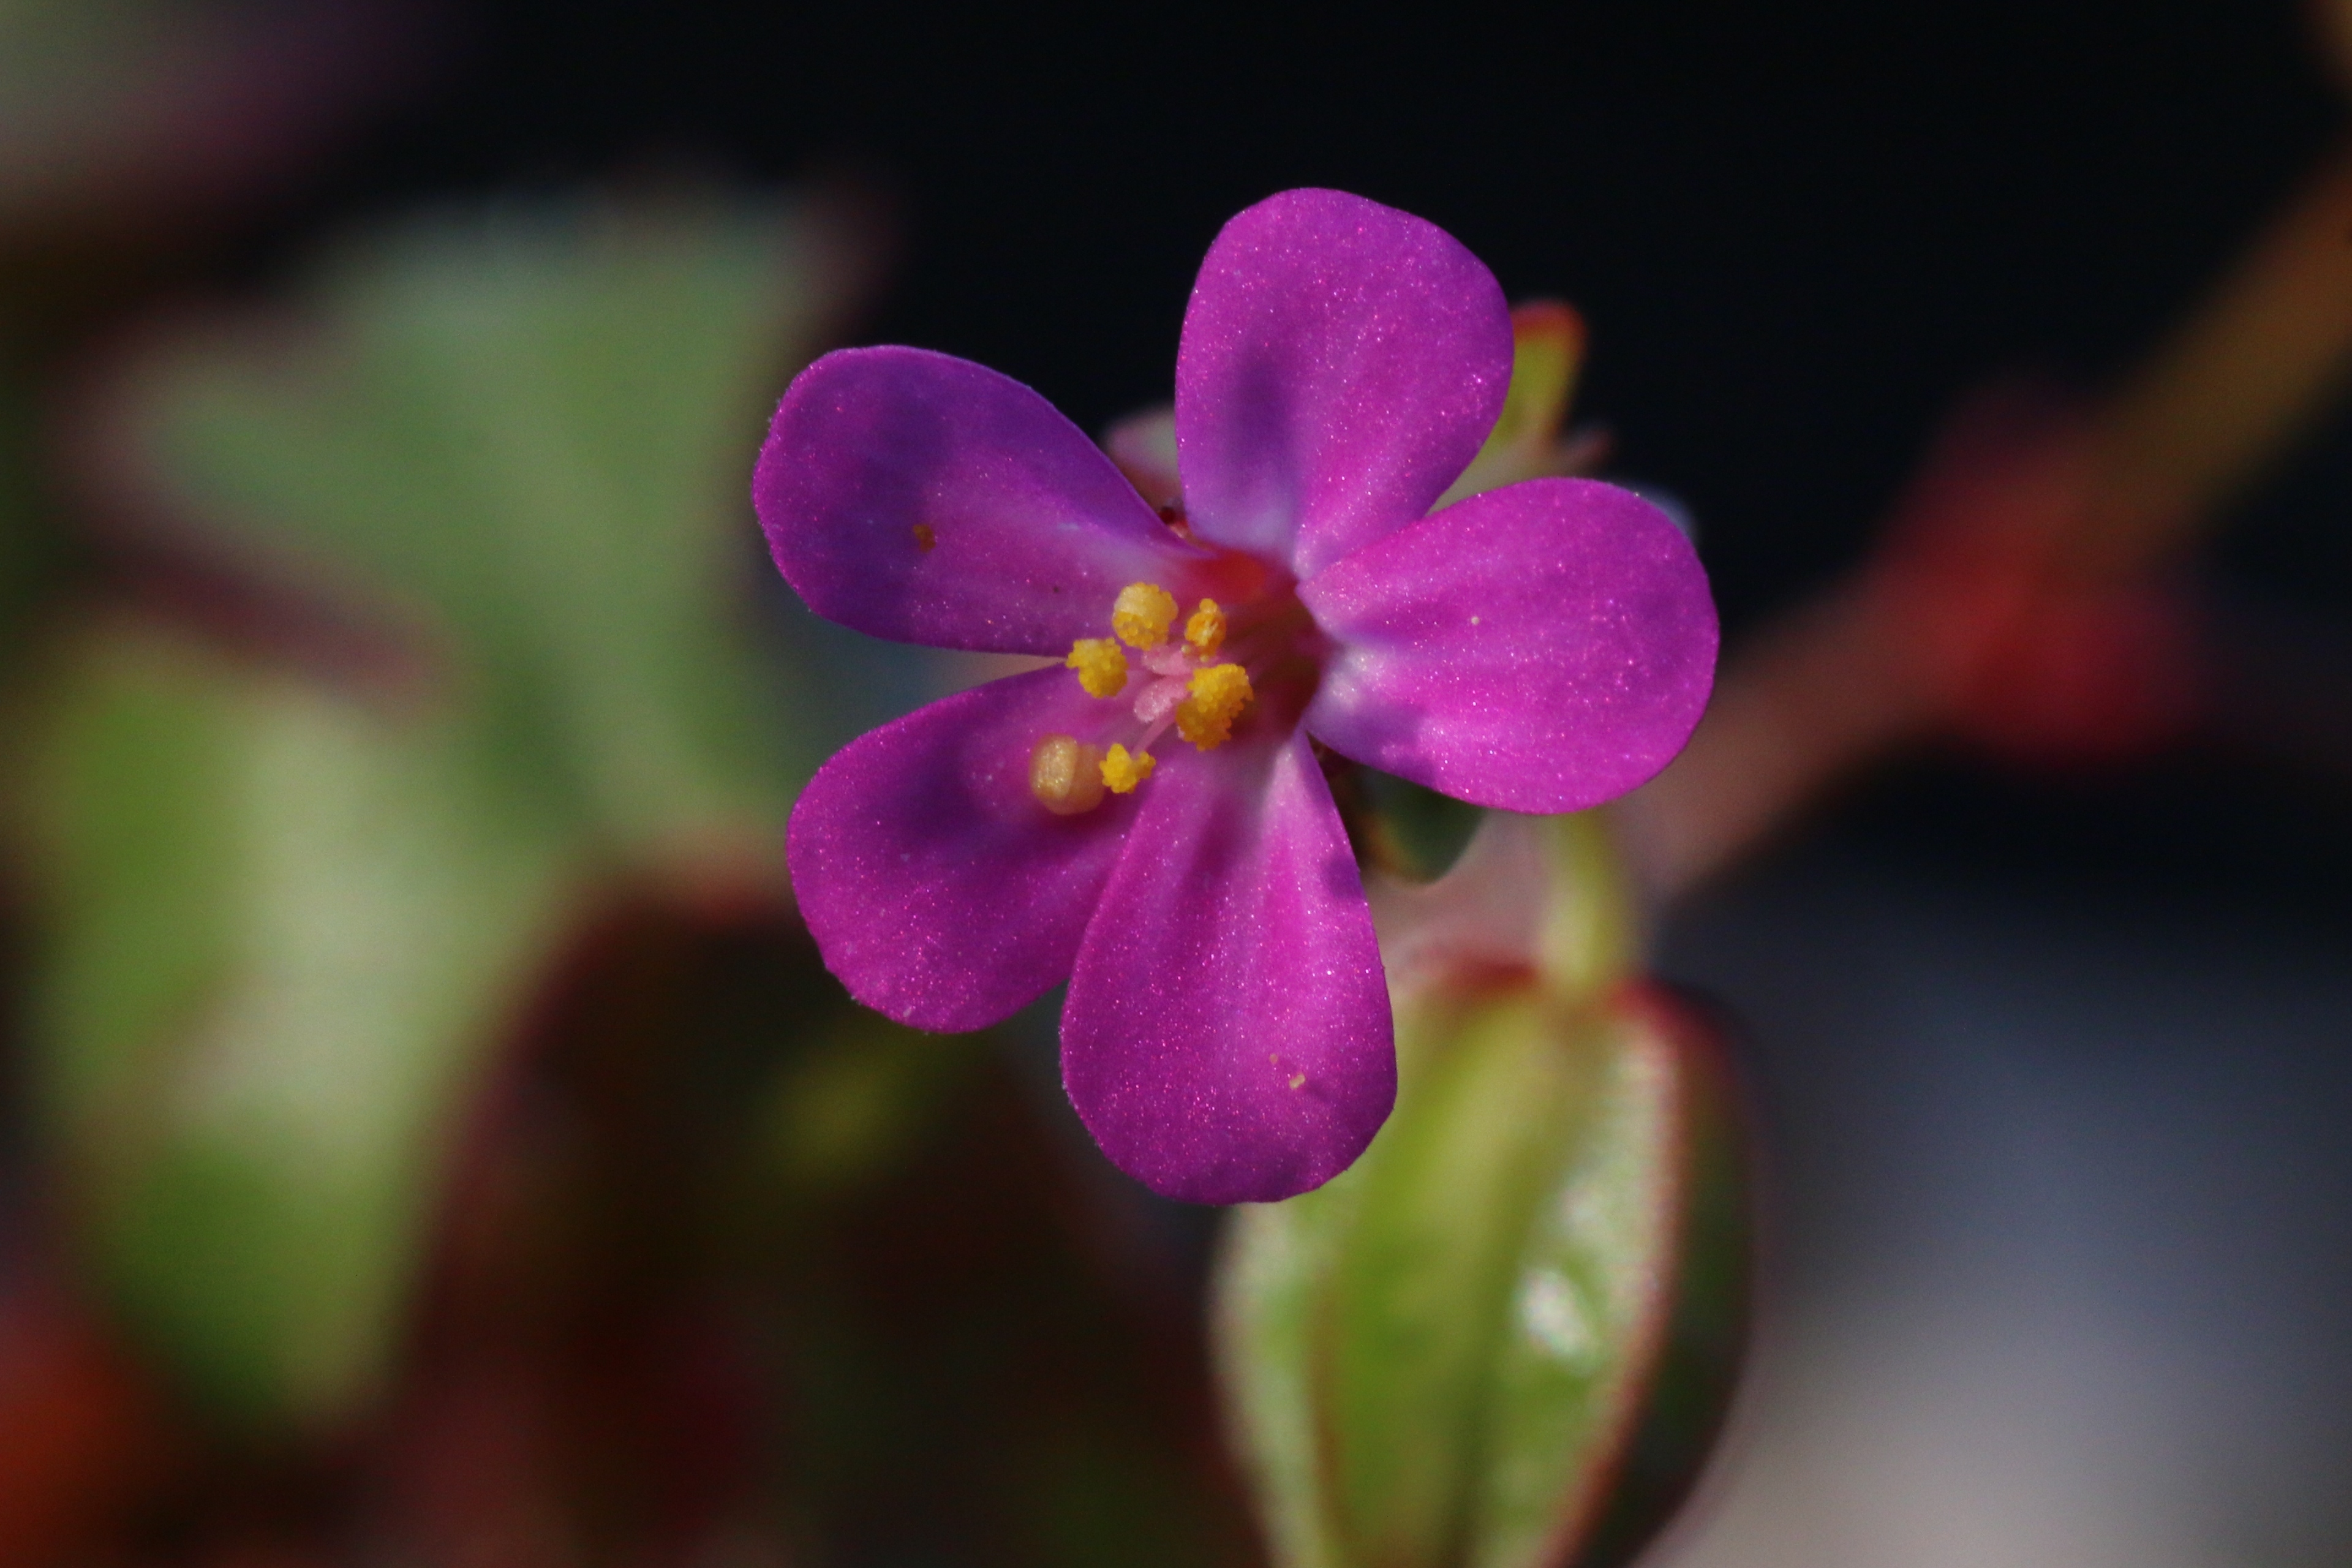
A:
x: 1205, y: 634
x: 1101, y: 665
x: 1123, y: 770
x: 1218, y: 693
x: 1142, y: 615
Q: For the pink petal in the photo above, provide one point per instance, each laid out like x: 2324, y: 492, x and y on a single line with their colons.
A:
x: 922, y: 497
x: 1342, y: 363
x: 937, y: 887
x: 1227, y: 1035
x: 1543, y: 647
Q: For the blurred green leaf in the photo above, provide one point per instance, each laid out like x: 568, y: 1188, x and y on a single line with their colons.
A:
x: 1413, y: 832
x: 137, y: 107
x: 284, y: 929
x: 28, y: 549
x: 280, y: 932
x: 532, y: 430
x: 1440, y: 1357
x: 57, y: 55
x: 858, y: 1098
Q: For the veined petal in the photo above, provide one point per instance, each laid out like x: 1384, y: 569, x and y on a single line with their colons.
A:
x: 1342, y: 361
x: 1541, y: 647
x: 937, y: 886
x: 1227, y: 1036
x: 923, y: 498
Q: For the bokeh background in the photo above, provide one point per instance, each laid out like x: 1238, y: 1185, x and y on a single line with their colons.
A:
x: 400, y: 718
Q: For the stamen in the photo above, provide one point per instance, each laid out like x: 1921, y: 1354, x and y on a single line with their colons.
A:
x: 1067, y: 776
x: 1219, y: 694
x: 1122, y: 771
x: 1101, y: 665
x: 1142, y: 615
x: 1205, y: 634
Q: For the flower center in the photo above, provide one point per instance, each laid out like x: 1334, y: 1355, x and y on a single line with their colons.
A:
x: 1200, y: 683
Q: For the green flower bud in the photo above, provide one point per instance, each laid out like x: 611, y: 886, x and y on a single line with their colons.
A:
x: 1505, y: 1335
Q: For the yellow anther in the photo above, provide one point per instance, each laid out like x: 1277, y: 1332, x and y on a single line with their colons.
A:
x: 1122, y: 770
x: 1205, y: 634
x: 1064, y: 776
x: 1142, y: 615
x: 1219, y: 694
x: 1101, y: 665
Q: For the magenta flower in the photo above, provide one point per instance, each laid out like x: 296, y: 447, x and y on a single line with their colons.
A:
x: 1541, y: 647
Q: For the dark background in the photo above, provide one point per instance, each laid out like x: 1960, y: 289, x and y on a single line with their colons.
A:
x: 1798, y: 231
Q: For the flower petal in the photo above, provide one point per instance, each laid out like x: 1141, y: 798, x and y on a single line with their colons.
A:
x: 1227, y: 1036
x: 923, y: 498
x: 937, y: 887
x: 1543, y: 647
x: 1342, y: 361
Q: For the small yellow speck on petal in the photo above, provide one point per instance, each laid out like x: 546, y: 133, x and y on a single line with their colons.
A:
x: 1142, y: 615
x: 1064, y: 775
x: 1123, y: 770
x: 1101, y: 665
x: 1205, y: 634
x: 1218, y: 693
x: 1298, y: 1082
x: 924, y: 540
